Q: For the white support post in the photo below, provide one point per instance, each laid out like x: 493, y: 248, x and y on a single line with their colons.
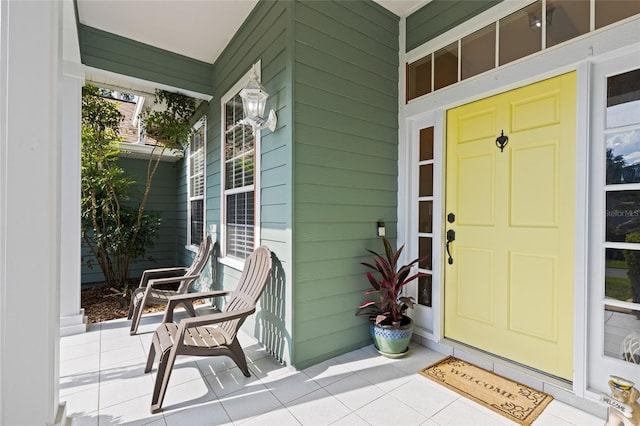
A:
x: 72, y: 318
x: 30, y: 76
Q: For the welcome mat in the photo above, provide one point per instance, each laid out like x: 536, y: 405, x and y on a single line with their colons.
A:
x: 513, y: 400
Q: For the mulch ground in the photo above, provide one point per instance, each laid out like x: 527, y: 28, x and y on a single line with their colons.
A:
x: 103, y: 304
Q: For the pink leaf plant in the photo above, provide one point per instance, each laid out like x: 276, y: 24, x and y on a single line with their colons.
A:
x: 388, y: 281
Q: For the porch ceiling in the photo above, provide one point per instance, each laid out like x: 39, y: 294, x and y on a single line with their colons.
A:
x: 199, y: 29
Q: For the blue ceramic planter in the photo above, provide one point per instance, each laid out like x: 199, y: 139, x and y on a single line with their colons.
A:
x: 390, y: 341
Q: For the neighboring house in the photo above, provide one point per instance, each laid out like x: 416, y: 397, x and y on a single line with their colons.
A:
x: 399, y: 119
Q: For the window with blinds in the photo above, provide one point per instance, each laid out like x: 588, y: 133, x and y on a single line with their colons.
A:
x: 196, y: 184
x: 239, y: 186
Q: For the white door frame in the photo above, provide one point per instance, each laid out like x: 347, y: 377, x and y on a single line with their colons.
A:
x: 574, y: 56
x: 599, y: 366
x: 428, y: 319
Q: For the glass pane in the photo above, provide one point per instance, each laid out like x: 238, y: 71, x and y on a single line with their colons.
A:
x: 623, y: 157
x: 622, y: 274
x: 478, y: 52
x: 197, y: 222
x: 426, y: 181
x: 424, y: 249
x: 445, y: 68
x: 566, y: 19
x: 426, y: 217
x: 623, y: 216
x: 419, y: 78
x: 425, y: 289
x: 622, y: 333
x: 623, y: 99
x: 426, y: 144
x: 610, y: 11
x: 520, y: 33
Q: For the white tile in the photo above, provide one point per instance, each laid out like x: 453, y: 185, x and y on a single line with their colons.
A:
x: 78, y: 383
x: 572, y: 414
x: 188, y: 394
x: 121, y: 374
x: 214, y: 364
x: 386, y: 376
x: 289, y: 386
x: 424, y: 396
x: 249, y: 402
x: 115, y: 392
x: 279, y: 417
x: 328, y: 372
x: 351, y: 420
x: 207, y: 414
x: 546, y: 419
x: 354, y: 392
x: 84, y: 420
x: 122, y: 356
x: 82, y: 403
x: 318, y: 408
x: 185, y: 372
x: 91, y: 336
x: 133, y: 412
x: 255, y: 352
x: 267, y: 366
x: 81, y: 365
x: 362, y: 359
x: 70, y: 352
x: 230, y: 381
x: 416, y: 359
x: 460, y: 413
x: 387, y: 410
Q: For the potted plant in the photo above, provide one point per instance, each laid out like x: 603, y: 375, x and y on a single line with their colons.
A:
x: 390, y: 328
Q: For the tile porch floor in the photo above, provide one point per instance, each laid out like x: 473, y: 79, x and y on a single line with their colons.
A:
x: 102, y: 381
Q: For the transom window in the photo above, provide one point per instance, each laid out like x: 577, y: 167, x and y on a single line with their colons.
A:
x: 540, y: 25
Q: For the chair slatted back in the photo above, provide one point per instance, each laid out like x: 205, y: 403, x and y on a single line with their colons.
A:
x: 199, y: 262
x: 253, y: 280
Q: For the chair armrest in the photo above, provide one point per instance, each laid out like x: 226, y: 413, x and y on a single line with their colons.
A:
x: 158, y: 281
x: 188, y: 297
x: 149, y: 274
x: 215, y: 318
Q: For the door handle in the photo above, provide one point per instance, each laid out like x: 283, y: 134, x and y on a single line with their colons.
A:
x: 451, y: 237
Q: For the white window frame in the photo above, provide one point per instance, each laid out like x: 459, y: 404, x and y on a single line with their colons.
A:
x: 201, y: 124
x: 225, y: 259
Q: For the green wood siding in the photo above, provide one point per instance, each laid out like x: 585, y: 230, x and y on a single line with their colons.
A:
x: 346, y: 135
x: 162, y: 199
x: 121, y: 55
x: 264, y: 36
x: 440, y: 16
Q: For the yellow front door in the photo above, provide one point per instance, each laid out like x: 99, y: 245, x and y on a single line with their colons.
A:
x: 509, y: 288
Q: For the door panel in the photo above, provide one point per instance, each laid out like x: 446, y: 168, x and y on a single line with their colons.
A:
x: 509, y: 290
x: 533, y: 196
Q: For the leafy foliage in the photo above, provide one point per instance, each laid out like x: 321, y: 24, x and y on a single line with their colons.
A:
x: 388, y: 281
x: 116, y: 234
x: 119, y: 234
x: 170, y: 125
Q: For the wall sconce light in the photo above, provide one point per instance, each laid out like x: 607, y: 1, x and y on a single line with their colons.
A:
x: 254, y: 99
